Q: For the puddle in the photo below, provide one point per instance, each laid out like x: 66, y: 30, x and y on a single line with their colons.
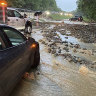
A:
x: 72, y: 22
x: 74, y: 40
x: 68, y: 38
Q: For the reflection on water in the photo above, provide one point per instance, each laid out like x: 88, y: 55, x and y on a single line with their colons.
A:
x: 74, y: 40
x: 68, y: 38
x: 72, y: 22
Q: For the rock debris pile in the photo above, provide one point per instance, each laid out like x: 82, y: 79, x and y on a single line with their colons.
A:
x: 68, y: 50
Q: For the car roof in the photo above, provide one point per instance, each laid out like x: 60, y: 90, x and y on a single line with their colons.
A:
x: 4, y: 25
x: 10, y: 8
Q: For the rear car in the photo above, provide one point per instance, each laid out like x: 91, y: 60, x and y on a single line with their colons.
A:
x: 16, y: 20
x: 17, y: 55
x: 77, y: 18
x: 13, y: 18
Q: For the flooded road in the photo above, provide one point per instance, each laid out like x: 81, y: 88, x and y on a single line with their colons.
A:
x: 56, y: 75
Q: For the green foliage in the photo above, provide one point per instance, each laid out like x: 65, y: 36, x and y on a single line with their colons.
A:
x: 34, y: 4
x: 88, y: 7
x: 86, y: 19
x: 15, y: 3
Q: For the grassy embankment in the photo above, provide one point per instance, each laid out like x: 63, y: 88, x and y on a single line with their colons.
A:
x: 88, y: 20
x: 61, y: 17
x: 58, y: 17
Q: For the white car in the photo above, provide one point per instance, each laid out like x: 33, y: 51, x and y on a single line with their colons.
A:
x: 16, y: 20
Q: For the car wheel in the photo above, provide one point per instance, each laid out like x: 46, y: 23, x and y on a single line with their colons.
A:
x: 36, y: 61
x: 28, y: 29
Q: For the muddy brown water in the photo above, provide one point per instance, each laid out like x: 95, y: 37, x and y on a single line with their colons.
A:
x: 57, y: 77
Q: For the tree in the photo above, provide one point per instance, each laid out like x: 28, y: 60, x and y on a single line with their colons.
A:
x: 34, y: 4
x: 88, y: 7
x: 15, y: 3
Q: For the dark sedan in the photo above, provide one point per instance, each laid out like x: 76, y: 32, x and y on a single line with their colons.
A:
x: 17, y: 55
x: 77, y: 18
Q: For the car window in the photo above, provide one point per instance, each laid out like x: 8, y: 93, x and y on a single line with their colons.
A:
x: 14, y: 36
x: 17, y: 14
x: 10, y: 13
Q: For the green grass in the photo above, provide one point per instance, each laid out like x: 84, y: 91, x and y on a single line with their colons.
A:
x: 86, y: 19
x: 59, y: 17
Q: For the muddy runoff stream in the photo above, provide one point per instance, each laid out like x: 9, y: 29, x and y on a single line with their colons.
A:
x: 67, y: 66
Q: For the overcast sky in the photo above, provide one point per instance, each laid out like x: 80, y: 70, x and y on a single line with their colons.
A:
x: 67, y: 5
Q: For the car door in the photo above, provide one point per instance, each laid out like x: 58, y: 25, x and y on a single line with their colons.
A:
x: 2, y: 47
x: 14, y: 58
x: 12, y: 20
x: 19, y: 20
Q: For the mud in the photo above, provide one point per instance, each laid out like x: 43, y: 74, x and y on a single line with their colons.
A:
x: 67, y: 66
x: 70, y: 42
